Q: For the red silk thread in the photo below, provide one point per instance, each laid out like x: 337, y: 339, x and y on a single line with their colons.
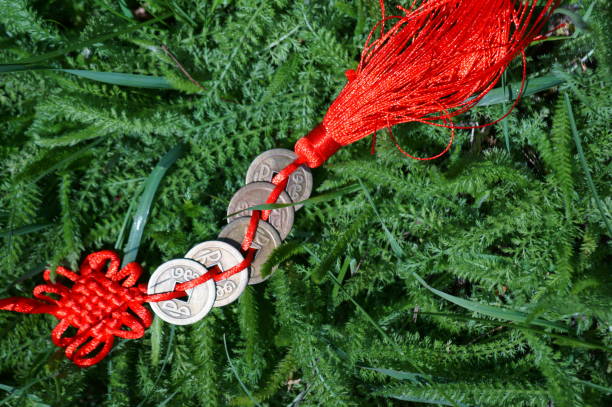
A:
x: 437, y: 61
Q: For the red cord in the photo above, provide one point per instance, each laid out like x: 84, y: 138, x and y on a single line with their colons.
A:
x: 101, y: 307
x: 280, y: 182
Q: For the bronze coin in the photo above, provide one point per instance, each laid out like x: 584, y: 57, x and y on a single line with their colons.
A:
x: 265, y: 241
x: 256, y: 193
x: 266, y: 165
x: 225, y: 256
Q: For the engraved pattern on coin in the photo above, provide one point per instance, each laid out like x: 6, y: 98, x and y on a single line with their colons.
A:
x: 266, y: 165
x: 181, y: 311
x: 265, y: 241
x: 256, y: 193
x: 225, y: 256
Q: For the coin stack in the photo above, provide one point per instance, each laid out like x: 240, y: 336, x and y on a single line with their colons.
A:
x: 225, y: 252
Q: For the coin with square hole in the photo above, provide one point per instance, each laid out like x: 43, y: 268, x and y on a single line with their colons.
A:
x: 266, y: 165
x: 265, y: 241
x: 256, y: 193
x: 185, y: 310
x: 224, y: 256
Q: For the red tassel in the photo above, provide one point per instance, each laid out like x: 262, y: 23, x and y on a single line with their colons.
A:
x: 436, y: 62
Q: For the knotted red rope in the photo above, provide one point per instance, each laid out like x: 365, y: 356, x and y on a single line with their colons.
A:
x: 436, y: 62
x: 99, y: 305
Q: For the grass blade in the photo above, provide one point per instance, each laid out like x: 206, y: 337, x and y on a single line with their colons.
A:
x: 504, y: 123
x: 602, y: 389
x: 53, y: 161
x: 583, y: 163
x: 244, y: 388
x: 397, y: 374
x: 395, y: 246
x: 156, y: 338
x: 168, y: 399
x: 125, y: 9
x: 561, y: 340
x: 495, y: 312
x: 127, y: 217
x: 24, y: 230
x: 341, y: 275
x: 123, y: 79
x: 113, y: 78
x: 123, y: 16
x: 72, y: 138
x: 146, y: 199
x: 317, y: 199
x: 9, y: 68
x: 533, y: 86
x: 363, y: 311
x: 404, y: 397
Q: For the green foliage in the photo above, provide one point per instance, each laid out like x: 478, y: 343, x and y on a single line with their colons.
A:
x: 19, y: 18
x: 343, y: 321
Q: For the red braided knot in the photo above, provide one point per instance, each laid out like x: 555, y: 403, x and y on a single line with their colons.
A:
x: 98, y: 305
